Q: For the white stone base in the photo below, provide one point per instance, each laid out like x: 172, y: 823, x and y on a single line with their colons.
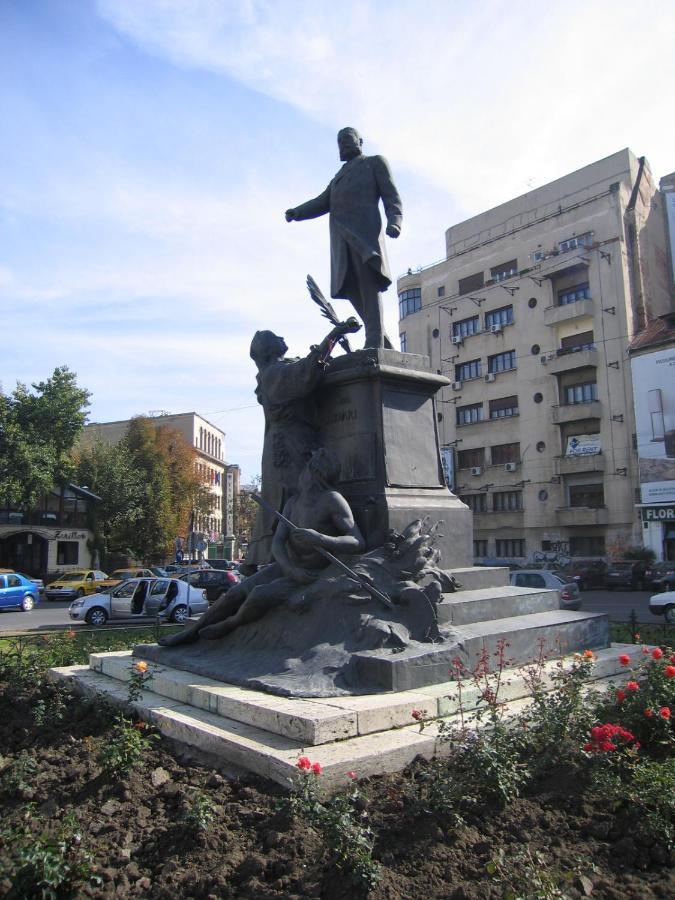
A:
x: 266, y: 734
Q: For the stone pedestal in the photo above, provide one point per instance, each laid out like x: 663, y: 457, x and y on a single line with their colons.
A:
x: 378, y: 414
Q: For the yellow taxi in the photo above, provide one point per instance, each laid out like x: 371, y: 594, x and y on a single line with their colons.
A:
x: 75, y: 583
x: 120, y: 575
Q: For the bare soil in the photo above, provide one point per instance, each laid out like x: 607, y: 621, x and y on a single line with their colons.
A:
x: 255, y: 849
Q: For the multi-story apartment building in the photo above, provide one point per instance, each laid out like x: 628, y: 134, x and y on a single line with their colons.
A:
x: 530, y: 316
x: 209, y: 442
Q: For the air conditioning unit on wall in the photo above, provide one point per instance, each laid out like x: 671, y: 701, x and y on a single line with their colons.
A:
x: 510, y: 467
x: 457, y: 339
x: 457, y: 385
x: 476, y: 470
x: 495, y: 329
x: 490, y: 377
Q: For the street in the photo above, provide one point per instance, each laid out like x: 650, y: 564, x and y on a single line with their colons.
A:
x: 53, y: 614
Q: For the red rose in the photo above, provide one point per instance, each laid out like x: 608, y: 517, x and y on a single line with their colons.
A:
x: 316, y: 768
x: 620, y: 695
x: 624, y: 659
x: 417, y: 714
x: 632, y: 686
x: 657, y: 653
x: 304, y: 763
x: 664, y: 712
x: 670, y: 671
x: 352, y: 775
x: 649, y: 712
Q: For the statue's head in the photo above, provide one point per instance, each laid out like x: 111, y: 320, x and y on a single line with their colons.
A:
x: 349, y: 143
x: 323, y: 467
x: 266, y: 346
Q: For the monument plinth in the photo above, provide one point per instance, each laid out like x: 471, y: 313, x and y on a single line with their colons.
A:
x: 378, y: 414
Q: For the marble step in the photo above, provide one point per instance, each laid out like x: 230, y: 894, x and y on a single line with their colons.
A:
x: 559, y: 631
x: 476, y: 577
x: 309, y: 721
x: 485, y: 604
x: 227, y: 742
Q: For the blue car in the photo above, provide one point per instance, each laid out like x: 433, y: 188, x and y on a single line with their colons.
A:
x: 17, y: 591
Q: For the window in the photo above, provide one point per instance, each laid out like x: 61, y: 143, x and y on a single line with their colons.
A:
x: 404, y: 342
x: 589, y: 495
x: 477, y: 503
x: 571, y: 295
x: 576, y: 342
x: 507, y: 501
x: 504, y: 270
x: 480, y: 548
x: 576, y: 242
x: 505, y: 453
x: 471, y: 283
x: 440, y: 291
x: 409, y: 302
x: 67, y: 553
x: 466, y: 327
x: 504, y: 408
x: 510, y: 547
x: 502, y: 316
x: 502, y: 362
x: 469, y: 459
x: 466, y: 415
x: 593, y: 545
x: 581, y: 393
x: 468, y: 370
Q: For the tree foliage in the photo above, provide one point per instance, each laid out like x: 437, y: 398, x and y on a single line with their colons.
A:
x: 38, y: 429
x: 148, y: 486
x: 245, y: 512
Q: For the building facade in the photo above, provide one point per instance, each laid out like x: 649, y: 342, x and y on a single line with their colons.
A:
x: 530, y: 316
x: 54, y: 536
x: 217, y: 529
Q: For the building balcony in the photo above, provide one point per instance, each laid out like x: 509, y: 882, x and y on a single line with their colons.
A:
x: 581, y: 515
x: 569, y: 360
x: 574, y: 465
x: 576, y: 412
x: 554, y: 315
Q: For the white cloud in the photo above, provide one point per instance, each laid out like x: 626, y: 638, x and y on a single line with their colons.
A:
x: 483, y: 100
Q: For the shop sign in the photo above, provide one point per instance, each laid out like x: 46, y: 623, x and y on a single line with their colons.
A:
x: 583, y: 445
x: 658, y: 513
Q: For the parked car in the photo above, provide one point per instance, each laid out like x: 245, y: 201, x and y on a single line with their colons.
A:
x: 663, y: 605
x: 222, y: 564
x: 625, y: 573
x: 568, y: 591
x: 75, y: 583
x: 120, y: 575
x: 588, y: 573
x: 659, y: 576
x: 138, y: 598
x: 17, y: 592
x: 213, y: 581
x: 159, y: 571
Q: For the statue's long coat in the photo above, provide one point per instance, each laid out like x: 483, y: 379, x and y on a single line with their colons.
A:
x: 352, y: 199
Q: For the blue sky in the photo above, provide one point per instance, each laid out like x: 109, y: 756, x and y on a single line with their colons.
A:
x: 150, y: 148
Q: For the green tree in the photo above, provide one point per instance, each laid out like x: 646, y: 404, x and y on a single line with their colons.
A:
x: 109, y: 471
x: 245, y: 512
x: 38, y: 429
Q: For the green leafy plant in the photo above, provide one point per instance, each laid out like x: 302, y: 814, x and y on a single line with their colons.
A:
x: 45, y: 861
x: 342, y: 820
x: 560, y: 713
x: 525, y: 875
x: 199, y: 812
x: 126, y: 746
x: 18, y: 776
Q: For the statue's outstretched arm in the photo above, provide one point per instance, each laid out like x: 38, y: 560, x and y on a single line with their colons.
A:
x: 312, y: 209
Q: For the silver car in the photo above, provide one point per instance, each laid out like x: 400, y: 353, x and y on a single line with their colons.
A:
x: 139, y: 598
x: 663, y: 605
x: 568, y: 592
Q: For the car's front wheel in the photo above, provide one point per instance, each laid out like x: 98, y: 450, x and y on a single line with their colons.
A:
x: 27, y: 603
x: 669, y: 614
x: 179, y: 615
x: 96, y: 616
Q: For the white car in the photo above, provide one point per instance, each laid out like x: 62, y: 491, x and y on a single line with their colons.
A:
x: 663, y: 605
x: 140, y: 598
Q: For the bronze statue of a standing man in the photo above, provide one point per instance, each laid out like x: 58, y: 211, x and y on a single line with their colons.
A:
x: 359, y: 267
